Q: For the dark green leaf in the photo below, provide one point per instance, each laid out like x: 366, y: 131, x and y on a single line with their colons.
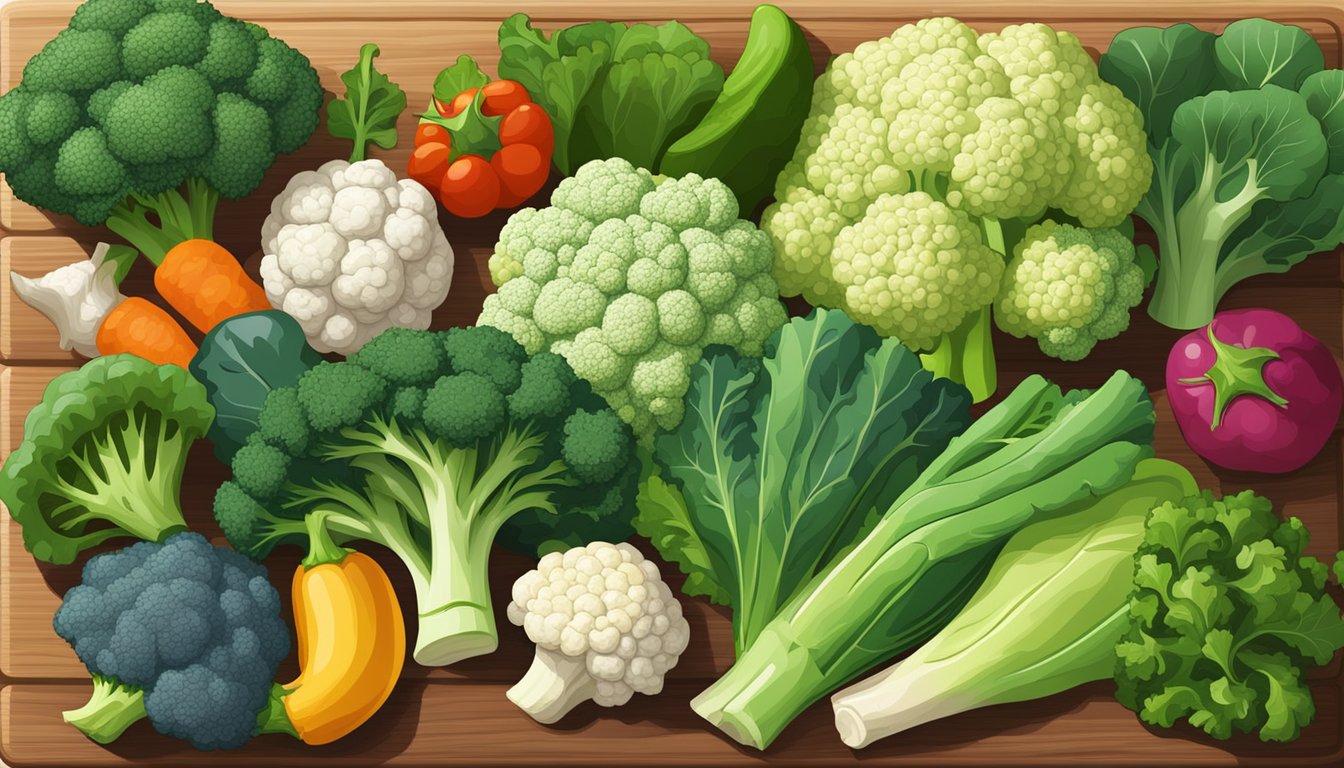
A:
x: 1253, y: 53
x: 240, y: 361
x: 1158, y: 70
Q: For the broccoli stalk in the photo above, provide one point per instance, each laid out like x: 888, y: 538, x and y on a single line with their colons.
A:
x: 430, y: 444
x: 116, y: 706
x: 461, y: 497
x: 153, y: 224
x: 113, y: 707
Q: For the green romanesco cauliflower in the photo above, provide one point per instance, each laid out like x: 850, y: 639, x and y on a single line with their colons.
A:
x: 629, y: 278
x: 1069, y: 288
x: 1002, y: 128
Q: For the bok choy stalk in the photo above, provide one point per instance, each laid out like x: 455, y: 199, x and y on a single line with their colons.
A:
x: 1036, y: 454
x: 1047, y: 618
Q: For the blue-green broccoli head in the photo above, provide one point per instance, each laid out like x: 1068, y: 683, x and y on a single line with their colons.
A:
x: 196, y: 627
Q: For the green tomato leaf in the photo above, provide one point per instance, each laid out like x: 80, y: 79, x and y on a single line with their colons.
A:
x: 1253, y: 53
x: 369, y: 111
x: 472, y: 131
x: 1160, y: 69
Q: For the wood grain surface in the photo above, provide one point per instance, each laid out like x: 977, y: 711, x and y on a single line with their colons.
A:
x: 459, y: 716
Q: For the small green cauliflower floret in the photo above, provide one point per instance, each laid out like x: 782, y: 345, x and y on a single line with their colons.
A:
x: 1069, y: 288
x: 629, y: 279
x: 997, y: 127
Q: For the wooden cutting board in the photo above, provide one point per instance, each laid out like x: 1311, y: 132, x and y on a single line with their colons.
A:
x: 459, y: 716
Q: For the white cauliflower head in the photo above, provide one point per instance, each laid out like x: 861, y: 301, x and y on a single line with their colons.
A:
x: 606, y: 627
x: 350, y: 251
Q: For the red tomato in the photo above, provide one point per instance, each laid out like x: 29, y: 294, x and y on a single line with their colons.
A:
x: 457, y: 106
x: 427, y: 132
x: 429, y: 162
x: 502, y: 97
x: 522, y: 170
x: 470, y: 188
x: 528, y: 124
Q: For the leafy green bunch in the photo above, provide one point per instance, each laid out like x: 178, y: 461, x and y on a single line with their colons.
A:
x: 612, y: 90
x: 1226, y: 614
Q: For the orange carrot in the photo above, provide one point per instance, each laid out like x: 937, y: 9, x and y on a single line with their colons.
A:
x: 206, y: 284
x: 138, y: 327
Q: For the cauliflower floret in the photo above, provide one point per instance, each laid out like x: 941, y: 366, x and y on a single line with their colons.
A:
x: 629, y: 280
x: 606, y: 627
x: 350, y: 251
x: 914, y: 268
x: 1069, y: 288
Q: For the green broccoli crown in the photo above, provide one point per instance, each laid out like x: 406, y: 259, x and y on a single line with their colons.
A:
x: 1070, y: 287
x: 629, y: 280
x: 102, y: 456
x: 137, y: 96
x: 467, y: 389
x: 196, y: 628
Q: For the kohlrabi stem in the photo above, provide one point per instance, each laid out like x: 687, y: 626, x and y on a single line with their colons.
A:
x: 111, y: 709
x: 553, y: 685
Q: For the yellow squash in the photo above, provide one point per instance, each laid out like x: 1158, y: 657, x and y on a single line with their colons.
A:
x: 351, y: 641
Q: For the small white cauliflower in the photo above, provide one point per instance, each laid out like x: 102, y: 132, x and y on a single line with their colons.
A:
x: 351, y: 251
x: 76, y: 298
x: 605, y: 624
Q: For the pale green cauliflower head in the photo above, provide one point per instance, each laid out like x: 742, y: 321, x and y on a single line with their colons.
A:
x: 914, y: 267
x: 630, y: 279
x: 1069, y: 288
x: 1005, y: 125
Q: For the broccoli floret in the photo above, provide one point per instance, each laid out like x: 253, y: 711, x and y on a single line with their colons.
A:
x: 999, y: 128
x: 630, y: 280
x: 137, y: 98
x: 102, y: 456
x: 434, y: 445
x: 181, y: 632
x: 1069, y: 288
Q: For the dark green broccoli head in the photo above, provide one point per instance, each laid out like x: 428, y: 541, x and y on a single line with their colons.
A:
x: 407, y: 400
x: 140, y: 95
x: 195, y: 628
x: 102, y: 456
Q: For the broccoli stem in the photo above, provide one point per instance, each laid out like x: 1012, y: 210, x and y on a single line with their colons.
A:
x: 553, y: 685
x: 120, y: 484
x: 273, y: 718
x: 153, y: 225
x: 111, y: 709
